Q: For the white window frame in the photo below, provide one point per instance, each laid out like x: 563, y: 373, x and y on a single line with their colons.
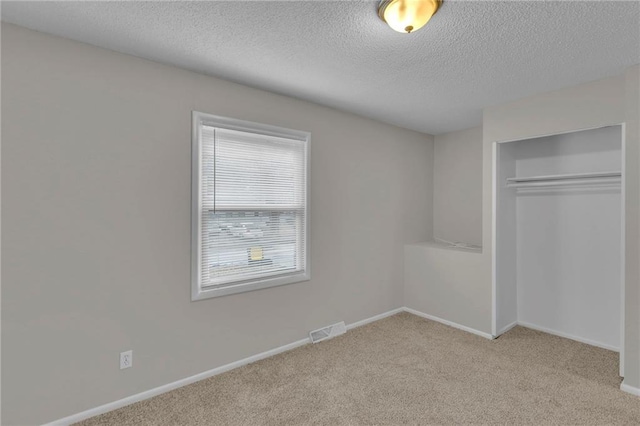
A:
x: 197, y: 291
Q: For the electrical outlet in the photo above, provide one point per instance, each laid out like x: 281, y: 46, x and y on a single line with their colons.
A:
x: 126, y: 359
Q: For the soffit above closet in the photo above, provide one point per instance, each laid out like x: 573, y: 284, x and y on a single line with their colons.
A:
x: 340, y: 54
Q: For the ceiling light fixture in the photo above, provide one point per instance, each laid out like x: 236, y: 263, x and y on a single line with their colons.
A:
x: 407, y: 16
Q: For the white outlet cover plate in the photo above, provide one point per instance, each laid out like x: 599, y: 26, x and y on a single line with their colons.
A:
x: 126, y: 359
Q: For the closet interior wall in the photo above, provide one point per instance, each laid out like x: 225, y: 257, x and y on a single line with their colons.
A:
x: 559, y: 242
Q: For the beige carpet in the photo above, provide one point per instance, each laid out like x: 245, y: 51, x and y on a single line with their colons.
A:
x: 405, y: 370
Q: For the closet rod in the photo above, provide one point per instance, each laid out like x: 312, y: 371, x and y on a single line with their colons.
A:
x: 585, y: 183
x: 571, y: 176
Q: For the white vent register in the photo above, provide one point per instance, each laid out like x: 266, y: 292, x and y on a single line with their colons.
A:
x: 328, y: 332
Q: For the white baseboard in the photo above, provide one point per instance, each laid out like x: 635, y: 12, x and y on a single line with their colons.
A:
x: 201, y: 376
x: 507, y: 328
x: 629, y: 389
x: 568, y: 336
x: 449, y: 323
x: 374, y: 318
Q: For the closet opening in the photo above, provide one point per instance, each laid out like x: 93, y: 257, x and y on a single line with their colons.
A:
x: 558, y: 236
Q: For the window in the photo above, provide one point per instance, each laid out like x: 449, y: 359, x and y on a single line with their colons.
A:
x: 249, y: 206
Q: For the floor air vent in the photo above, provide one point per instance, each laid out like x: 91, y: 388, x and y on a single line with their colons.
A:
x: 328, y: 332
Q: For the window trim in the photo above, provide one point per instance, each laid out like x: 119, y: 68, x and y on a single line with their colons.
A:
x: 197, y: 292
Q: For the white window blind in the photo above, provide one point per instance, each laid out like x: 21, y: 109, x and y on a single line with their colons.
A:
x: 252, y: 206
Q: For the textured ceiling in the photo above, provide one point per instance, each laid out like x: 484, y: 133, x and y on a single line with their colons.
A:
x: 471, y: 55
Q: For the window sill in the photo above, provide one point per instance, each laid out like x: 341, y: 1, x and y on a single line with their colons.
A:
x: 243, y: 287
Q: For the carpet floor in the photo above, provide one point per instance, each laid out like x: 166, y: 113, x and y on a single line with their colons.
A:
x: 405, y: 370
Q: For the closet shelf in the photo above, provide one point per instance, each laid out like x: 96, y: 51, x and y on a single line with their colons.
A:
x: 582, y: 179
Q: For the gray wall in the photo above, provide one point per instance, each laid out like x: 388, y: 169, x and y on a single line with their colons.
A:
x: 440, y: 281
x: 457, y: 186
x: 96, y: 221
x: 632, y: 234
